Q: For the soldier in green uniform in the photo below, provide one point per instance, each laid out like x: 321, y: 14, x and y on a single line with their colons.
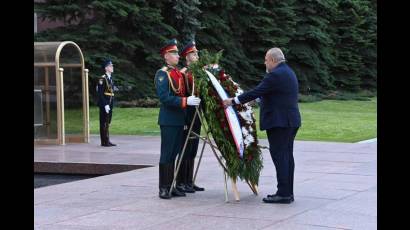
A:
x: 186, y: 171
x: 105, y: 91
x: 170, y: 88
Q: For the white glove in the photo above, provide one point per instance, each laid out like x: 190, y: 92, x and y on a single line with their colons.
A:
x: 193, y: 101
x: 107, y: 108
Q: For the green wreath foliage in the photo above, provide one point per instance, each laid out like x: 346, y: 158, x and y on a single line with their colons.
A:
x: 250, y: 165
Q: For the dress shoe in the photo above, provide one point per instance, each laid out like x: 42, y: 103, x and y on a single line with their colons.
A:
x: 106, y: 145
x: 111, y: 144
x: 278, y: 199
x: 176, y: 192
x: 198, y: 188
x: 291, y: 196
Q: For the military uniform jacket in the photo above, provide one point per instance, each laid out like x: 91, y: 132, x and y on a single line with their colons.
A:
x: 190, y: 85
x: 189, y: 82
x: 105, y: 91
x: 278, y: 92
x: 170, y: 87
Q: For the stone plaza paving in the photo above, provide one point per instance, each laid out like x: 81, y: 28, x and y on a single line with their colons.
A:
x: 335, y: 188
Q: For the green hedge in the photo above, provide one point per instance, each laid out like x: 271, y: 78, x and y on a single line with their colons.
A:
x: 331, y: 44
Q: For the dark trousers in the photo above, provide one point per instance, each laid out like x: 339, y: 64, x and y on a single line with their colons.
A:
x: 186, y: 170
x: 105, y: 121
x: 281, y: 150
x: 192, y: 145
x: 171, y: 143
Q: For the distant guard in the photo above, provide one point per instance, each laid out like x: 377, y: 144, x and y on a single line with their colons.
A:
x: 105, y: 91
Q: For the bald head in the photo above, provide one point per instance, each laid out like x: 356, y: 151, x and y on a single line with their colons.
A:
x: 273, y: 57
x: 276, y: 54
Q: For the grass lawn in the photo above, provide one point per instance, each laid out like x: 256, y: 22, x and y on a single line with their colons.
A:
x: 128, y: 121
x: 328, y: 120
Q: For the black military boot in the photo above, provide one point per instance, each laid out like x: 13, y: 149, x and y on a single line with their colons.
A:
x: 163, y: 182
x: 190, y: 183
x: 108, y: 138
x: 182, y: 180
x: 170, y: 176
x: 103, y: 135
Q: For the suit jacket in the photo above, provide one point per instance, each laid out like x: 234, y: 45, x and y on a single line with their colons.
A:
x: 173, y: 107
x: 278, y: 92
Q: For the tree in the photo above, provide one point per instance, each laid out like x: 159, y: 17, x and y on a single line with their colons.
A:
x: 271, y: 24
x: 330, y: 44
x: 245, y: 29
x: 218, y: 32
x: 187, y: 19
x: 368, y: 73
x: 311, y: 47
x: 348, y: 40
x: 128, y: 32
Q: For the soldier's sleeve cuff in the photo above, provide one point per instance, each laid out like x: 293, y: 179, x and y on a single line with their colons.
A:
x: 236, y: 99
x: 183, y: 102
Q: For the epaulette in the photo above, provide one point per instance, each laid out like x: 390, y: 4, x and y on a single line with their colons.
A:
x: 162, y: 69
x: 160, y: 78
x: 101, y: 79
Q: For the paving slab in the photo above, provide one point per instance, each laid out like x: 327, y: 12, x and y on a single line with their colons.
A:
x: 335, y: 188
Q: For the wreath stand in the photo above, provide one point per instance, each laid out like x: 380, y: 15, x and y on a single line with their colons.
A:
x: 207, y: 140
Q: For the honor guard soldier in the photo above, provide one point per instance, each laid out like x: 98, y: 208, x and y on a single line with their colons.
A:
x: 186, y: 171
x: 170, y: 88
x: 105, y: 90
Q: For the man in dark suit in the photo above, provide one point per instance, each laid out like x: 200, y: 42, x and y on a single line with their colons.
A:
x: 171, y: 91
x: 105, y: 91
x: 280, y: 117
